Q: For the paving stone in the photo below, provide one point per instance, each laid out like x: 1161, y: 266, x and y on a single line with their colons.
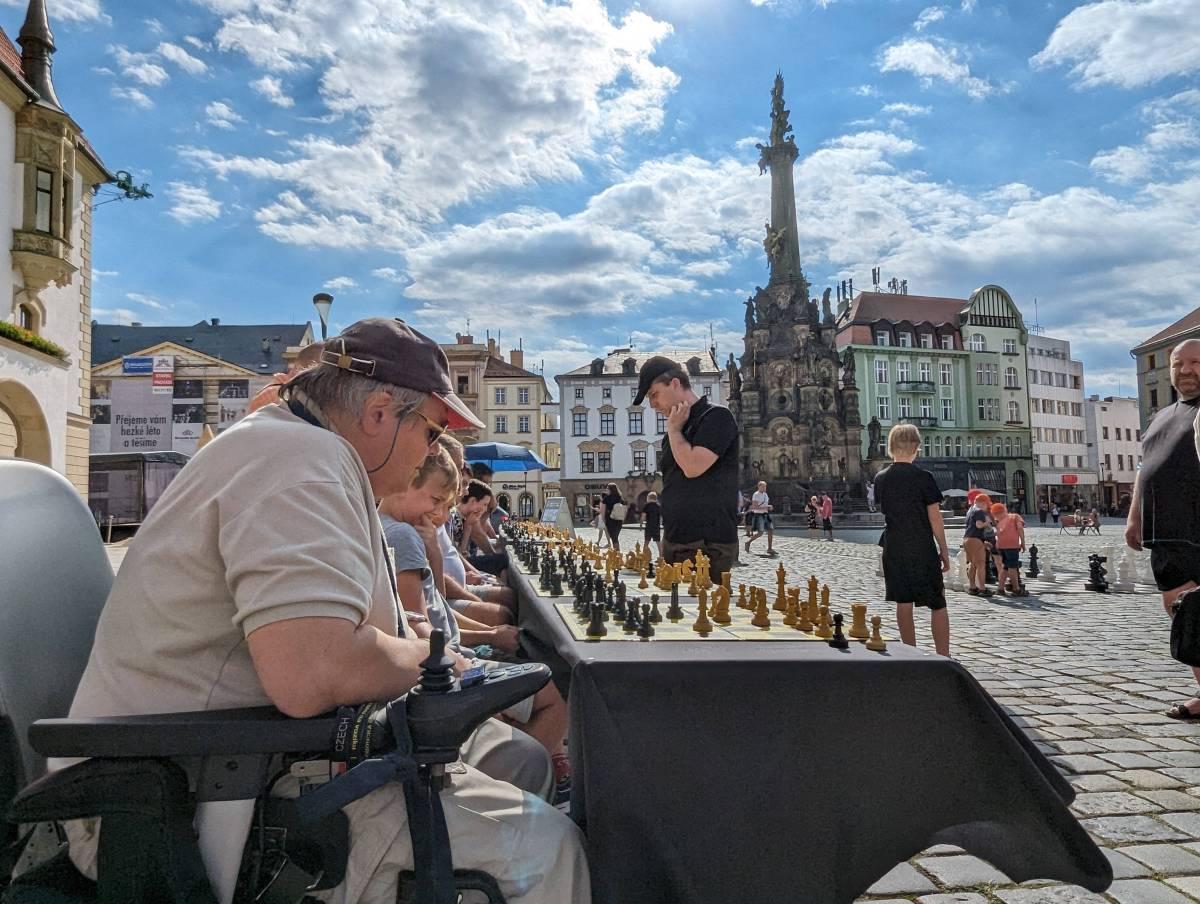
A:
x: 1185, y: 822
x: 1113, y: 803
x: 1120, y: 829
x: 1081, y: 763
x: 1172, y: 800
x: 901, y: 879
x: 1144, y: 778
x: 1082, y: 747
x: 1164, y: 858
x: 1178, y: 757
x: 1145, y: 891
x: 1098, y: 781
x: 962, y: 870
x: 1135, y: 761
x: 1187, y: 884
x: 1049, y: 894
x: 943, y: 849
x: 1124, y: 867
x: 960, y: 897
x: 1186, y: 776
x: 1129, y: 745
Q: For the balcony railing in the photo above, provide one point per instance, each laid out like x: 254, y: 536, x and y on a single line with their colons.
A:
x: 916, y: 386
x: 919, y: 421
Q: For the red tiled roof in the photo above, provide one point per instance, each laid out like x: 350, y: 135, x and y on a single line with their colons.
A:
x: 869, y: 307
x: 9, y: 55
x: 1187, y: 323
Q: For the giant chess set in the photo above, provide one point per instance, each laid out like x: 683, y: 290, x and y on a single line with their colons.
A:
x: 676, y: 602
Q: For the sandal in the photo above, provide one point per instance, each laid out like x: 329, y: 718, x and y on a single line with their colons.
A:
x: 1180, y: 711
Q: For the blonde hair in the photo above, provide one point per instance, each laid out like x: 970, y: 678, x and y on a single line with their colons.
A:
x: 438, y: 464
x: 903, y: 439
x: 453, y: 447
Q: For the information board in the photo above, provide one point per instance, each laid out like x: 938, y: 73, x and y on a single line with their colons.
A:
x: 557, y: 513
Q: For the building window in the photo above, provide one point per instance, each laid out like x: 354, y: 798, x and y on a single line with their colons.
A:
x: 579, y: 393
x: 1104, y: 433
x: 906, y: 340
x: 635, y: 423
x: 925, y: 369
x: 905, y: 407
x: 604, y: 462
x: 927, y: 340
x: 606, y: 393
x: 937, y: 446
x: 708, y: 391
x: 881, y: 371
x: 523, y: 423
x: 978, y: 342
x: 501, y: 423
x: 1060, y: 380
x: 633, y: 391
x: 885, y: 408
x: 948, y: 411
x: 500, y: 395
x: 1120, y: 462
x: 523, y: 396
x: 1017, y: 446
x: 958, y: 447
x: 1108, y: 462
x: 881, y: 337
x: 608, y: 423
x: 660, y: 423
x: 1153, y: 398
x: 903, y: 371
x: 639, y: 459
x: 1010, y: 378
x: 926, y: 407
x: 29, y: 318
x: 464, y: 384
x: 1053, y: 460
x: 1150, y: 362
x: 1014, y: 412
x: 1033, y: 376
x: 1010, y: 346
x: 1008, y: 447
x: 948, y: 342
x: 44, y: 200
x: 587, y: 462
x: 947, y: 371
x: 525, y: 506
x: 928, y: 448
x: 1128, y: 434
x: 579, y: 424
x: 1051, y: 434
x: 1138, y: 434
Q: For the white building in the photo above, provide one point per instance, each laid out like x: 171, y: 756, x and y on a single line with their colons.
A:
x: 1114, y: 434
x: 1061, y: 469
x: 605, y: 437
x: 47, y: 173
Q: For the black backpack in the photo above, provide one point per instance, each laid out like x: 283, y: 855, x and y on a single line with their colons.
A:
x: 1185, y: 628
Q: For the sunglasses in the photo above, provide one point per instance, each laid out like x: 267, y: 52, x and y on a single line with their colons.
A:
x: 433, y: 431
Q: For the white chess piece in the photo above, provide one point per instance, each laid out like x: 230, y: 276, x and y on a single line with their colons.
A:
x: 1124, y: 581
x: 878, y: 562
x: 1048, y: 572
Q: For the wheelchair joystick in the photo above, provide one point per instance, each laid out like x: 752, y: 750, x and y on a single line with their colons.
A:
x: 437, y: 671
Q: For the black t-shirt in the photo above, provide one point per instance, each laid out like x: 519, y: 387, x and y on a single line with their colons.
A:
x: 653, y: 513
x: 609, y: 500
x: 1170, y: 477
x: 703, y: 507
x: 902, y: 492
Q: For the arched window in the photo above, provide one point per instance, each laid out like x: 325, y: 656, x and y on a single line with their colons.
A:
x: 525, y: 506
x: 1014, y: 412
x: 937, y: 446
x: 504, y: 502
x: 29, y: 318
x: 978, y: 343
x: 1010, y: 378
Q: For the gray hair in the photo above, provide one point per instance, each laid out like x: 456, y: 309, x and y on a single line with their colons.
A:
x: 339, y: 391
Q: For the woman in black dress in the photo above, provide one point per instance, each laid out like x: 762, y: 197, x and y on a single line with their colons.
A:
x: 915, y: 554
x: 612, y: 520
x: 811, y: 510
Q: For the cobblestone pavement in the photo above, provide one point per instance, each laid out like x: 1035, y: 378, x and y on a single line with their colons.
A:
x: 1088, y: 676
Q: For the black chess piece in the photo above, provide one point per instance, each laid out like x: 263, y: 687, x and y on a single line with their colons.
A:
x: 556, y: 584
x: 675, y: 611
x: 1097, y: 582
x: 596, y: 627
x: 655, y: 616
x: 1034, y: 568
x: 620, y: 592
x: 617, y: 608
x: 646, y: 628
x: 650, y: 569
x: 838, y: 641
x: 631, y: 616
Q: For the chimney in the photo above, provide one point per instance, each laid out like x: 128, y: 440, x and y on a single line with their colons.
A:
x: 216, y: 321
x: 136, y: 323
x: 516, y: 357
x: 493, y: 348
x: 464, y: 338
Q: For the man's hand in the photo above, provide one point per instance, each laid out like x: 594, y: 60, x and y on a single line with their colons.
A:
x: 945, y: 559
x: 504, y: 638
x: 461, y: 663
x: 678, y: 416
x: 1133, y: 534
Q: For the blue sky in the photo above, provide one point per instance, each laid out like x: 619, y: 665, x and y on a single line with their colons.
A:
x: 571, y: 174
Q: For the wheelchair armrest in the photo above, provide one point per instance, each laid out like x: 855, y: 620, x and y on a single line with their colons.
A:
x: 260, y: 730
x: 103, y: 787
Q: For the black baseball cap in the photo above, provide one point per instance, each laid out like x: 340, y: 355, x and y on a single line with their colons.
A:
x: 390, y: 351
x: 653, y: 369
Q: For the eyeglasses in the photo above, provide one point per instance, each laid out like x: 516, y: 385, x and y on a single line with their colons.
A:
x: 433, y: 430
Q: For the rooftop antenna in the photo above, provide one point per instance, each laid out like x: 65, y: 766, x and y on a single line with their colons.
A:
x: 468, y: 326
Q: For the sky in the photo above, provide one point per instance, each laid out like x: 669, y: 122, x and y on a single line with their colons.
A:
x: 572, y: 175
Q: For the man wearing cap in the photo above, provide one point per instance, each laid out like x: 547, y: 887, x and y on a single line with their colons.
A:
x: 699, y: 464
x: 261, y: 578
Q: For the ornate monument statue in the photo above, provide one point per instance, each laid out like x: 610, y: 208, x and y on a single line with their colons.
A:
x: 826, y: 308
x: 848, y: 367
x: 874, y: 436
x: 749, y: 313
x: 735, y: 378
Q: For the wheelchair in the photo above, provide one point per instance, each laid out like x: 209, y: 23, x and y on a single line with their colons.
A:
x: 183, y: 797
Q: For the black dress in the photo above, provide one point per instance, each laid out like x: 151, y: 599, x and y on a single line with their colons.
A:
x: 812, y: 516
x: 912, y: 569
x: 612, y: 525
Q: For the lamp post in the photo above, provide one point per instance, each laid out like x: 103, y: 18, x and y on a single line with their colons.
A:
x: 323, y: 301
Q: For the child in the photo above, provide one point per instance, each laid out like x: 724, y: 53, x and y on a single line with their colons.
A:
x: 410, y: 523
x: 652, y: 522
x: 974, y: 543
x: 1010, y: 541
x: 914, y: 539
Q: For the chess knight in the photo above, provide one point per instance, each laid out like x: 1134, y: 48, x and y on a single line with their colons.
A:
x: 795, y: 399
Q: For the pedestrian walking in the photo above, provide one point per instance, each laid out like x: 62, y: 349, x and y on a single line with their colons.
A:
x: 915, y: 554
x: 760, y: 512
x: 1043, y: 512
x: 1054, y: 512
x: 652, y: 523
x: 1010, y: 543
x: 827, y: 515
x: 813, y: 510
x: 871, y: 498
x: 612, y: 514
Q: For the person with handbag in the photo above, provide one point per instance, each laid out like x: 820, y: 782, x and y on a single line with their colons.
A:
x: 1164, y: 514
x: 612, y: 514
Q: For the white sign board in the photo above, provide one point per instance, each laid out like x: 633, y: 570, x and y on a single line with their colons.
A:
x: 557, y: 513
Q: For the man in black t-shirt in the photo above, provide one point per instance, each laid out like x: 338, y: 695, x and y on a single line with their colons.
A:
x: 1165, y: 512
x: 699, y: 467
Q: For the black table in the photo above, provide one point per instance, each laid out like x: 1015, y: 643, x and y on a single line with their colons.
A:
x: 728, y: 771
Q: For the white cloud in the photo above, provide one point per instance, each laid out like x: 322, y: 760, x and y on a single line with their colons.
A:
x: 146, y: 301
x: 271, y: 88
x: 903, y: 109
x: 1174, y: 127
x: 866, y: 91
x: 221, y: 115
x: 135, y: 96
x: 192, y: 203
x: 196, y: 42
x: 182, y: 59
x: 928, y: 16
x: 968, y: 6
x: 98, y: 275
x: 934, y: 60
x: 123, y: 316
x: 536, y: 89
x: 70, y: 10
x: 141, y: 67
x: 1125, y: 43
x: 341, y: 284
x: 154, y: 26
x: 390, y: 274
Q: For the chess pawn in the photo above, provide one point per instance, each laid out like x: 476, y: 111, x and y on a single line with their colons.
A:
x: 825, y: 625
x: 675, y: 611
x: 838, y: 641
x: 762, y: 617
x: 655, y: 615
x: 1048, y: 572
x: 643, y: 584
x: 741, y: 603
x: 876, y: 641
x: 790, y: 614
x: 645, y: 627
x: 858, y: 621
x: 702, y: 625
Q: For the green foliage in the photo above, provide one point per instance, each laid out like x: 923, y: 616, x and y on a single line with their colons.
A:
x: 23, y: 336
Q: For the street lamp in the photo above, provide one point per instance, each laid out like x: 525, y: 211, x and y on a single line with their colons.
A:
x: 323, y: 301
